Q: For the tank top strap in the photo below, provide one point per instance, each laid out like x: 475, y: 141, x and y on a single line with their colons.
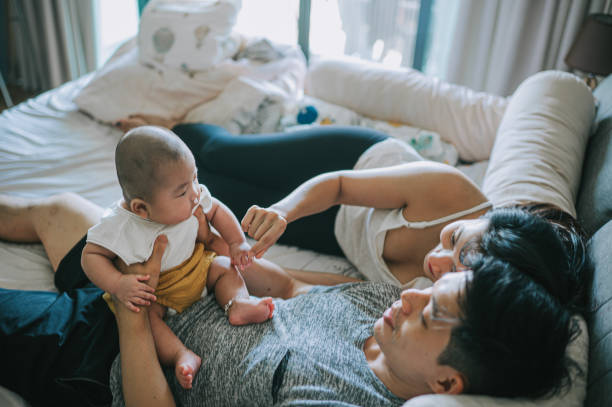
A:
x: 444, y: 219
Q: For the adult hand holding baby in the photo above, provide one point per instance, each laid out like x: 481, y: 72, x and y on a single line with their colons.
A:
x: 139, y: 280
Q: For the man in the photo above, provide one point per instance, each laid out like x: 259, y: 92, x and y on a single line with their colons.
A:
x: 493, y: 331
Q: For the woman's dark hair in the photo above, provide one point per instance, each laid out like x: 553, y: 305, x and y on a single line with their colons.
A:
x: 530, y: 273
x: 512, y: 335
x: 546, y: 244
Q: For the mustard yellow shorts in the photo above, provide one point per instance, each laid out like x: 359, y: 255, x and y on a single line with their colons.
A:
x: 181, y: 286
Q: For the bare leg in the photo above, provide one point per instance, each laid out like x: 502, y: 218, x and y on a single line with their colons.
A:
x: 58, y: 221
x: 171, y: 351
x: 320, y: 278
x: 229, y: 286
x: 266, y: 278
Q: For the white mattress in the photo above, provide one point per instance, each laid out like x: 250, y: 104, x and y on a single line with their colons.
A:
x: 47, y: 147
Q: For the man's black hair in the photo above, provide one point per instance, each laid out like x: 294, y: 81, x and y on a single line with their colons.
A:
x: 512, y: 335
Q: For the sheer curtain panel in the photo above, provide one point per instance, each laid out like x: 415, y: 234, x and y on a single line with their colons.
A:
x: 51, y: 41
x: 499, y: 43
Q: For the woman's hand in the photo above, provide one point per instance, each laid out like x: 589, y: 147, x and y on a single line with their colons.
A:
x: 265, y: 225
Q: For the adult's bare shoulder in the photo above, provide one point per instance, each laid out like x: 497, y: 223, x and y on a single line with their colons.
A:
x: 441, y: 191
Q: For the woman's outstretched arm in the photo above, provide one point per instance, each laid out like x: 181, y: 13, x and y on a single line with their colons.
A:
x: 144, y: 383
x: 419, y: 185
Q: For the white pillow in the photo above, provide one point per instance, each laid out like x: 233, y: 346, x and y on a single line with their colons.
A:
x: 540, y: 144
x: 187, y: 35
x: 124, y: 86
x: 465, y: 118
x: 427, y: 143
x: 578, y: 350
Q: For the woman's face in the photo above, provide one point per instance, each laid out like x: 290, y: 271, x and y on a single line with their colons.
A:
x: 445, y: 257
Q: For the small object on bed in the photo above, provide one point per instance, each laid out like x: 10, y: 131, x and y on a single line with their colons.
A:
x: 307, y: 114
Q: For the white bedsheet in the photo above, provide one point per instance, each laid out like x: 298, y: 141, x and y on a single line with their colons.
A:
x: 47, y: 147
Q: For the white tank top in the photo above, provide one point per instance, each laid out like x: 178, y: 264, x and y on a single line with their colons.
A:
x: 361, y: 231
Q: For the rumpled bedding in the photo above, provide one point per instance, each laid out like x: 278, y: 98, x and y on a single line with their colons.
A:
x: 235, y: 93
x: 461, y: 116
x: 49, y: 146
x: 311, y: 111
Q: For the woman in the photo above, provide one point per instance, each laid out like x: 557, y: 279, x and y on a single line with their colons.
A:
x: 393, y: 214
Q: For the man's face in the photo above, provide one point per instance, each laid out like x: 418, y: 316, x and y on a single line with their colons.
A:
x: 416, y: 329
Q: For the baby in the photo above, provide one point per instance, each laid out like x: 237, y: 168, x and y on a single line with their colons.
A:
x: 161, y: 195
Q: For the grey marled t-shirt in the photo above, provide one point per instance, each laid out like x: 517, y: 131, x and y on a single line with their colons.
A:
x: 309, y: 353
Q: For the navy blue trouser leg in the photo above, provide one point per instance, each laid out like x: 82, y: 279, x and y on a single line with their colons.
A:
x: 263, y: 168
x: 57, y: 348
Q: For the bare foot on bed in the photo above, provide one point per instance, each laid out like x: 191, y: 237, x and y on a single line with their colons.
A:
x: 136, y: 120
x: 186, y: 367
x: 250, y: 310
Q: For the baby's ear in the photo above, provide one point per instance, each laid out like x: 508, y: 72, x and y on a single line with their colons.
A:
x: 140, y: 208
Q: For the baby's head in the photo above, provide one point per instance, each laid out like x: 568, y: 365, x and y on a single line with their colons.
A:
x: 157, y: 174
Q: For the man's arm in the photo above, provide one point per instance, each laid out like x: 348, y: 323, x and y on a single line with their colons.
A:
x: 143, y: 380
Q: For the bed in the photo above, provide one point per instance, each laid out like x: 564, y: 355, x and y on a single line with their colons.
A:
x: 50, y: 146
x: 55, y: 143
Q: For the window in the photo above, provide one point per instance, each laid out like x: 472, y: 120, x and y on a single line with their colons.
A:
x: 276, y: 20
x: 117, y: 21
x: 381, y: 31
x: 408, y: 33
x: 441, y: 31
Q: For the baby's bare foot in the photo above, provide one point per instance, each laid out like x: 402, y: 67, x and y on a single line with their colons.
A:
x: 250, y: 310
x: 186, y: 366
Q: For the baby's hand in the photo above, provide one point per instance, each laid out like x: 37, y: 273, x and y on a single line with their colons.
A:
x: 241, y: 255
x: 133, y: 292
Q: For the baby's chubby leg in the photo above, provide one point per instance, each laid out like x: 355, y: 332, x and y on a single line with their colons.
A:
x: 231, y: 290
x: 264, y: 278
x: 171, y: 351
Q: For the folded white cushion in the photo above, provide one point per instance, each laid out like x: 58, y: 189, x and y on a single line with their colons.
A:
x: 124, y: 86
x: 540, y: 144
x: 188, y: 35
x: 461, y: 116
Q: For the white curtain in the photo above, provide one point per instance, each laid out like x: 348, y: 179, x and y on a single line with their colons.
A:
x: 499, y: 43
x: 51, y: 41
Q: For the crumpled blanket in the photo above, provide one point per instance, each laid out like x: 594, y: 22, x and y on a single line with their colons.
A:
x: 240, y: 93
